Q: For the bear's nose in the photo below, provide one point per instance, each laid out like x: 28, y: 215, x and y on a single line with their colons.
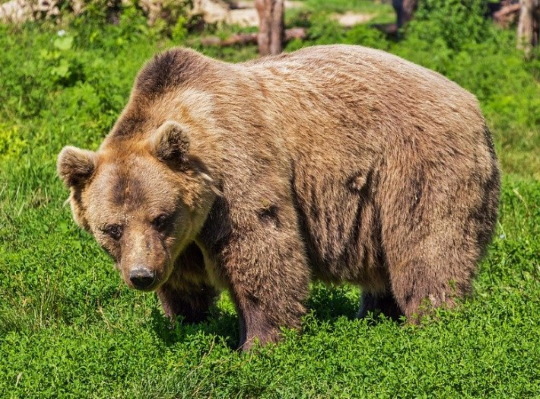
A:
x: 142, y: 278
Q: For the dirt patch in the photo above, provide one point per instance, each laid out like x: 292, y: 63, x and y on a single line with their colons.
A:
x: 351, y: 18
x: 243, y: 13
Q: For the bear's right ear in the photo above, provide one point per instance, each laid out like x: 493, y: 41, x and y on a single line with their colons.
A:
x: 75, y: 166
x: 170, y: 143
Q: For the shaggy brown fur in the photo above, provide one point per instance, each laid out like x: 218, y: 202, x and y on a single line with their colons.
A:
x: 338, y: 163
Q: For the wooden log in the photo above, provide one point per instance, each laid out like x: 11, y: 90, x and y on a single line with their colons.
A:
x: 506, y: 15
x: 251, y: 38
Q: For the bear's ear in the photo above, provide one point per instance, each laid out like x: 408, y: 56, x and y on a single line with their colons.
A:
x: 170, y: 142
x: 75, y: 166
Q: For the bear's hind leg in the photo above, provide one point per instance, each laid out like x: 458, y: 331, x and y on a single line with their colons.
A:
x: 379, y: 303
x: 419, y: 288
x: 432, y: 262
x: 437, y: 217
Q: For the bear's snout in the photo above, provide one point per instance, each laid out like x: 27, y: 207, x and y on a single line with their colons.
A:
x: 142, y: 278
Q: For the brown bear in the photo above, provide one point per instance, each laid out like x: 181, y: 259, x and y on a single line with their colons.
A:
x: 337, y: 163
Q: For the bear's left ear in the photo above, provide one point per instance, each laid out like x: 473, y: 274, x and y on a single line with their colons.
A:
x: 170, y: 142
x: 75, y: 166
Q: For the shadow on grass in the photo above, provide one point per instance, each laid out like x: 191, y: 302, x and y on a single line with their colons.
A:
x: 220, y: 323
x: 326, y: 303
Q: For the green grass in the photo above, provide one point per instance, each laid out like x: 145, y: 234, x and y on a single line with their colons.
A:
x: 358, y: 6
x: 380, y: 13
x: 70, y: 328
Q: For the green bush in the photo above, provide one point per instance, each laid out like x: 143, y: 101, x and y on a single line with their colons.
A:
x: 366, y: 36
x: 454, y: 22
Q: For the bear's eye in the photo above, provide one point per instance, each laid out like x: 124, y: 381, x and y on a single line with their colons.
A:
x: 114, y: 231
x: 162, y: 222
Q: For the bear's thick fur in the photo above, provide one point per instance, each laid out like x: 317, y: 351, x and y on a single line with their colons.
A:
x: 338, y: 163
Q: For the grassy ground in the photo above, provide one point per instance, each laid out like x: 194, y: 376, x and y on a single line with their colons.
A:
x: 380, y: 12
x: 70, y: 328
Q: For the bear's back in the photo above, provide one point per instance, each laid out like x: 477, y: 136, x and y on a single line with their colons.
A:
x: 391, y: 82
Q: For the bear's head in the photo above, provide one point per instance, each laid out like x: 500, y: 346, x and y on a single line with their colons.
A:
x: 143, y: 200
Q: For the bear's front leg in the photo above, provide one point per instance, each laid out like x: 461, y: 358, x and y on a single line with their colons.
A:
x: 187, y: 292
x: 191, y: 302
x: 268, y: 274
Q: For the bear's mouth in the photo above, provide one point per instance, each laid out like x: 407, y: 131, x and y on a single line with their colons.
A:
x: 149, y: 288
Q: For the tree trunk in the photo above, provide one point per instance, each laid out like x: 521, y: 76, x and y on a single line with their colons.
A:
x: 528, y: 27
x: 404, y: 11
x: 271, y: 26
x: 409, y: 7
